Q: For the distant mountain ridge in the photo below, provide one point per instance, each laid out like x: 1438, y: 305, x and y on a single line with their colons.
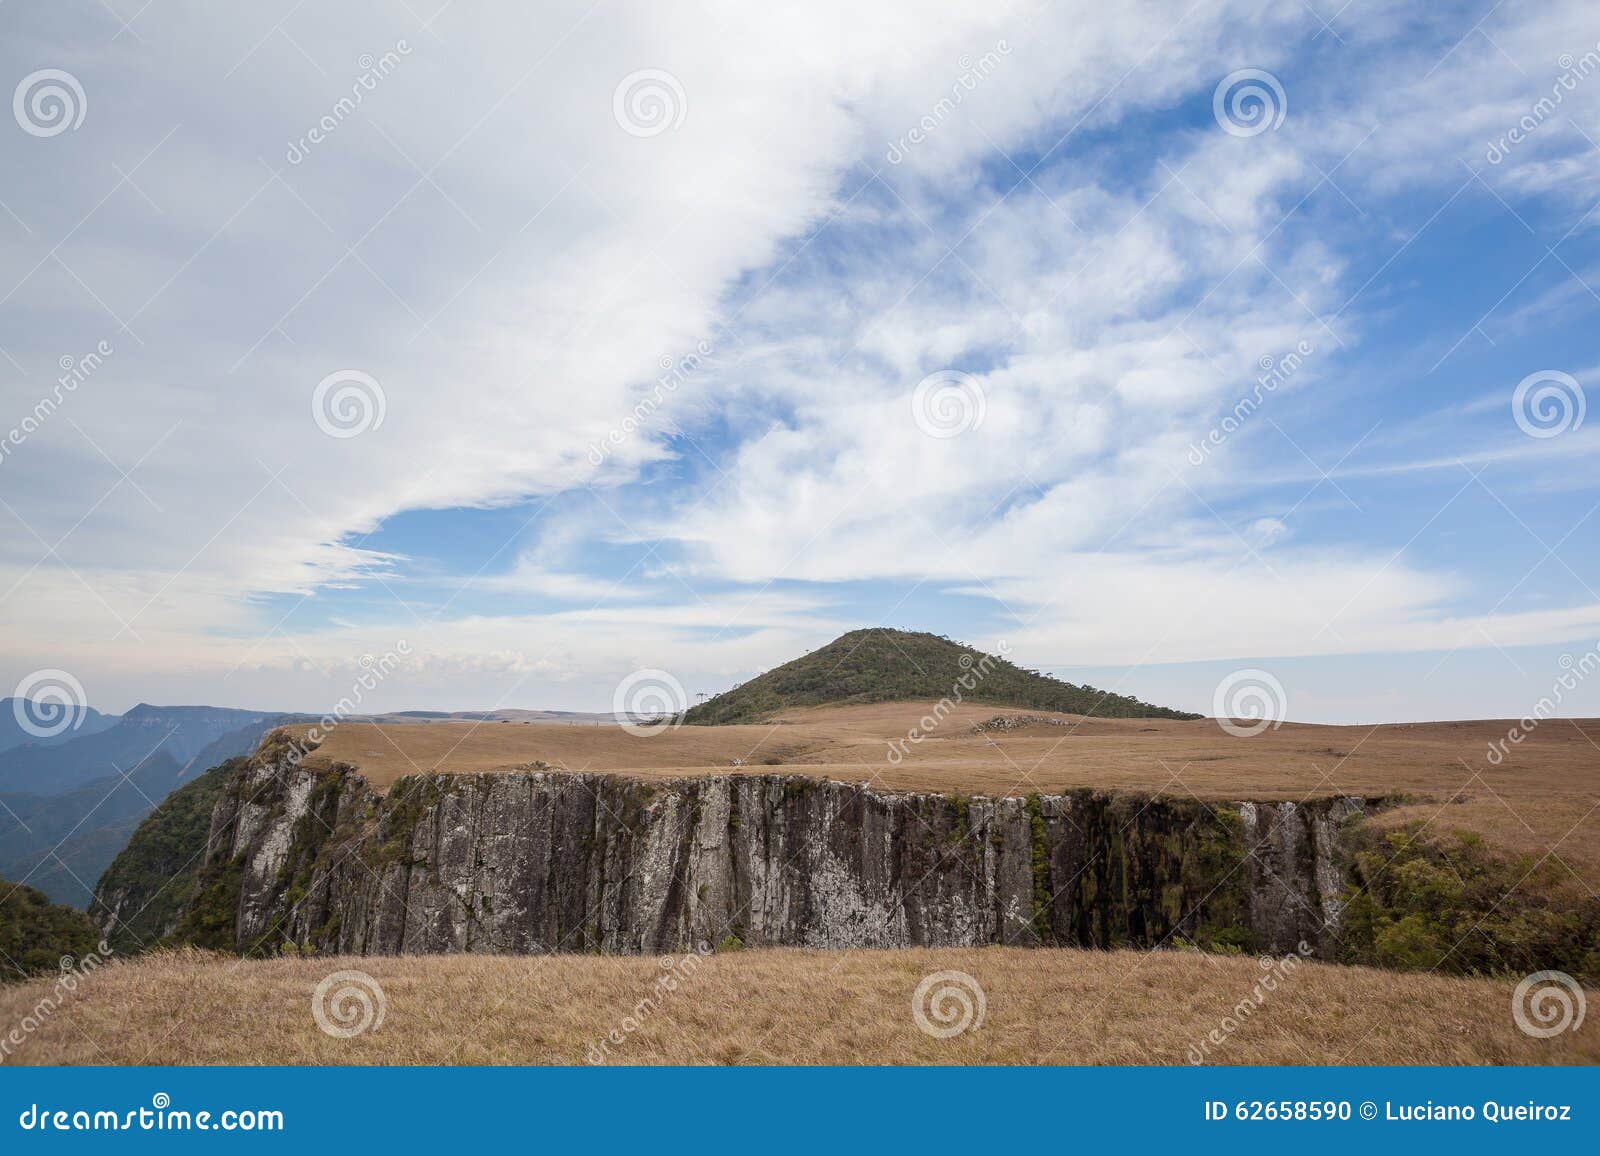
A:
x: 67, y: 810
x: 79, y: 722
x: 502, y: 714
x: 878, y: 664
x: 181, y: 731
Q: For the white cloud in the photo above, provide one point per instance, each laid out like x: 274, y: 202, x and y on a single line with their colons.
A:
x: 512, y: 266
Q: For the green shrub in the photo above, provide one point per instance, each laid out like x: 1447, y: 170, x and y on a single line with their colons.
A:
x: 155, y: 874
x: 1452, y: 904
x: 35, y: 934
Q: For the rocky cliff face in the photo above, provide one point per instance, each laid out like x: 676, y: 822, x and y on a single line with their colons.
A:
x: 544, y: 861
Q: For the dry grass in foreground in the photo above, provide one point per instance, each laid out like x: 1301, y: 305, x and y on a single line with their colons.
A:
x: 781, y: 1007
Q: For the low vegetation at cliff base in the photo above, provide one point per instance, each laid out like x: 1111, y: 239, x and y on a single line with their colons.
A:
x: 148, y: 885
x: 1453, y: 904
x: 36, y: 934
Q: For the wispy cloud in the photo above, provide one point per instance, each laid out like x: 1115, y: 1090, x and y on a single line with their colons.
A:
x: 1100, y: 270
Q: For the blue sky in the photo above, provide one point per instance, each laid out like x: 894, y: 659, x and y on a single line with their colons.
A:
x: 1087, y: 258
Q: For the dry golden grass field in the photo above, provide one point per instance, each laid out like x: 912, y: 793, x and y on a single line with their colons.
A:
x: 1542, y: 800
x: 783, y: 1007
